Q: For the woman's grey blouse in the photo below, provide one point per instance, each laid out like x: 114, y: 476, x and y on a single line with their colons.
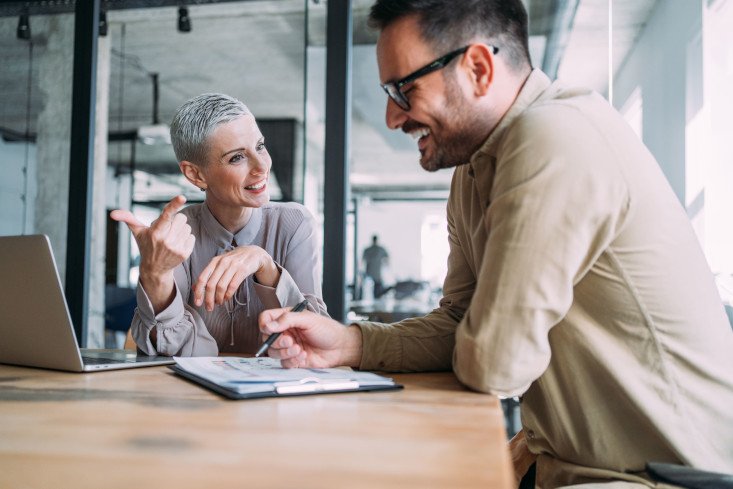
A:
x: 286, y: 231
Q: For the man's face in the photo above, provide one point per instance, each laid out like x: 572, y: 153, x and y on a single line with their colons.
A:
x: 441, y: 117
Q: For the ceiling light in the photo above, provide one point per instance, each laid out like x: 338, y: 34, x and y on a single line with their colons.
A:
x: 24, y: 28
x: 184, y: 21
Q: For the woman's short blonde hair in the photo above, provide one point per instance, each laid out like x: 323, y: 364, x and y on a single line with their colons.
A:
x: 196, y: 119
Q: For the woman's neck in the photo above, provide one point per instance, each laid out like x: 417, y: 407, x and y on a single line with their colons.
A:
x: 233, y: 219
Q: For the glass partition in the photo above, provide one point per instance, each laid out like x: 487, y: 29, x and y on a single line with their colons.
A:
x: 36, y: 61
x: 159, y: 58
x: 664, y: 65
x: 403, y: 205
x: 393, y: 200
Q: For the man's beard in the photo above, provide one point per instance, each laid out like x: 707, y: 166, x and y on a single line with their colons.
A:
x: 460, y: 135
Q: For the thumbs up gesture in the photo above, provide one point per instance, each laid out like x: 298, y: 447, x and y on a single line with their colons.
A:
x: 163, y: 245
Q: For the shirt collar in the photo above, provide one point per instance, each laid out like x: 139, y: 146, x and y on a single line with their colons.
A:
x: 223, y: 238
x: 482, y: 164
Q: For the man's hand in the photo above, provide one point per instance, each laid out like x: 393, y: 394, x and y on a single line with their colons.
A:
x: 311, y: 340
x: 164, y: 245
x: 225, y: 273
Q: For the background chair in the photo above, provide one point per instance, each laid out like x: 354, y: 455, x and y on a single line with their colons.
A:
x: 688, y: 477
x: 120, y: 303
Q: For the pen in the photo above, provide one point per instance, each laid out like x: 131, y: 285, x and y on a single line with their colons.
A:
x: 271, y: 339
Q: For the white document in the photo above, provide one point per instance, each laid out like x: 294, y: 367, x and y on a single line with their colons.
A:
x: 264, y: 374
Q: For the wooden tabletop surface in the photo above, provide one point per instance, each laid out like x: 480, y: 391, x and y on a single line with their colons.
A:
x: 145, y: 427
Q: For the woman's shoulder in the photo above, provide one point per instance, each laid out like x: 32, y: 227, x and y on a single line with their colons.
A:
x: 288, y: 215
x: 192, y: 211
x: 280, y: 210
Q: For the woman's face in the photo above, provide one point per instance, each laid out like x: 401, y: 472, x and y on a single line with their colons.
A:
x: 238, y: 165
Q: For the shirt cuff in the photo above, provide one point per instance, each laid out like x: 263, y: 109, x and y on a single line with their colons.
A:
x: 285, y: 293
x: 382, y: 347
x: 150, y: 320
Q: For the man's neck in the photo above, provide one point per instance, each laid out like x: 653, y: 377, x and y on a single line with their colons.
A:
x: 505, y: 101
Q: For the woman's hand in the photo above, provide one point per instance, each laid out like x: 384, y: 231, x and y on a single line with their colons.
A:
x: 163, y: 245
x: 224, y: 274
x: 311, y: 340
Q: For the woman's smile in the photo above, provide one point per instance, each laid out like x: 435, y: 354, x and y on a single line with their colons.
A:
x: 257, y: 187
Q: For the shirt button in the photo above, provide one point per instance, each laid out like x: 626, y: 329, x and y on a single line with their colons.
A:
x: 530, y: 434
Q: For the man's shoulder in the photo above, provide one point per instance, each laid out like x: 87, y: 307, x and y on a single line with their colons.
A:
x: 561, y: 112
x: 574, y: 126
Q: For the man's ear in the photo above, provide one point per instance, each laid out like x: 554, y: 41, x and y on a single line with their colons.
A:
x: 193, y: 174
x: 480, y: 61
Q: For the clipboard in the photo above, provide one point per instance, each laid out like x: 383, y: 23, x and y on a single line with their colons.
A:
x: 250, y: 378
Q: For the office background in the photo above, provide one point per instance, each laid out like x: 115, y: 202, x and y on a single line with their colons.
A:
x: 307, y: 70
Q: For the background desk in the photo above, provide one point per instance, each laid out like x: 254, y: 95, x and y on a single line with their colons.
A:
x: 146, y: 427
x: 389, y: 311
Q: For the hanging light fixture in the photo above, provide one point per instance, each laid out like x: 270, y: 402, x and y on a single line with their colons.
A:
x: 24, y: 28
x: 155, y: 133
x: 184, y: 21
x: 103, y: 23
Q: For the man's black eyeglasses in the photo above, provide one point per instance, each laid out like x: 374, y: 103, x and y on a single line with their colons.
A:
x: 394, y: 89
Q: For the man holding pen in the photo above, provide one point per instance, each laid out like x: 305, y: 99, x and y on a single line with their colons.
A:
x: 574, y: 277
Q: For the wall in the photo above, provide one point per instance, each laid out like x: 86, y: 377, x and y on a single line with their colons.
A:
x: 15, y: 206
x: 657, y: 64
x: 715, y: 123
x: 398, y: 225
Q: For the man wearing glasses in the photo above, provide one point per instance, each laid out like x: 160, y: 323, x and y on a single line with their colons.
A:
x: 574, y: 277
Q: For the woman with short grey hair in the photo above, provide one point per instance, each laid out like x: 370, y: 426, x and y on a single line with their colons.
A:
x: 209, y: 269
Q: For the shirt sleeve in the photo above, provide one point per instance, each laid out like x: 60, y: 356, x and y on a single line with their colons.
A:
x: 426, y: 343
x: 557, y: 202
x: 300, y: 272
x: 179, y: 329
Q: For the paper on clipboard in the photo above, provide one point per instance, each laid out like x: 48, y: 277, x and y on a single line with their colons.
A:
x: 247, y: 377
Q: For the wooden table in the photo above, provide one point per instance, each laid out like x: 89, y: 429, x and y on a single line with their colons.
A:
x: 146, y: 427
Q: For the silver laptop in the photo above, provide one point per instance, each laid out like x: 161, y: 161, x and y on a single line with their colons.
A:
x: 35, y: 326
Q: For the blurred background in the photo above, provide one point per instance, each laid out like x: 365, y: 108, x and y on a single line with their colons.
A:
x: 666, y: 65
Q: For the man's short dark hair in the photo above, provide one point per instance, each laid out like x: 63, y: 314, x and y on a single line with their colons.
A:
x: 450, y: 24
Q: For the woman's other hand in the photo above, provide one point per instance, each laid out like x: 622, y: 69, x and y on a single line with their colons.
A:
x: 224, y: 274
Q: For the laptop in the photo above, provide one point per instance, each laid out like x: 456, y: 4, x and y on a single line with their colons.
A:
x: 35, y: 326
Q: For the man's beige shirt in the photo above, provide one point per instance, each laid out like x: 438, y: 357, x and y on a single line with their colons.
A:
x: 575, y: 280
